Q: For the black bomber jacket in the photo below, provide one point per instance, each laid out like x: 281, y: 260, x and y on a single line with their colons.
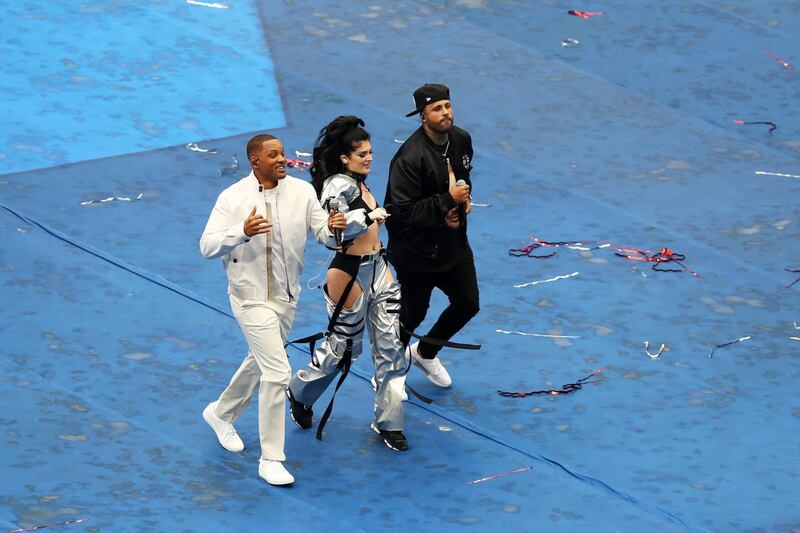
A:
x: 418, y: 199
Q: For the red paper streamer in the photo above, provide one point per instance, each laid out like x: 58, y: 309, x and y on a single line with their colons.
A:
x: 518, y: 470
x: 527, y: 251
x: 784, y: 64
x: 298, y: 163
x: 585, y: 14
x: 664, y: 256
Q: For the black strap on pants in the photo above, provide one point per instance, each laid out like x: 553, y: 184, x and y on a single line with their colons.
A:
x: 347, y: 357
x: 344, y: 364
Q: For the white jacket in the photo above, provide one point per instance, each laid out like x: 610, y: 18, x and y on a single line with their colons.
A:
x: 244, y: 258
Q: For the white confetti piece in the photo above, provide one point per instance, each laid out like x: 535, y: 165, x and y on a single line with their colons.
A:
x: 546, y: 280
x: 111, y: 199
x: 760, y: 173
x: 195, y: 148
x: 653, y: 356
x: 215, y: 5
x: 537, y: 334
x: 298, y: 153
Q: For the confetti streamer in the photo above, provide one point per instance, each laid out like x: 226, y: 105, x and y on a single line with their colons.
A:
x: 664, y: 256
x: 711, y: 353
x: 231, y: 169
x: 546, y: 280
x: 195, y: 148
x: 112, y: 198
x: 570, y: 42
x: 537, y: 334
x: 34, y: 528
x: 398, y: 141
x: 634, y: 254
x: 538, y: 243
x: 794, y: 271
x: 795, y: 338
x: 298, y: 153
x: 298, y: 163
x: 215, y: 5
x: 585, y: 14
x: 481, y: 205
x: 653, y: 356
x: 772, y: 125
x: 565, y: 389
x: 481, y: 480
x: 760, y: 173
x: 784, y: 64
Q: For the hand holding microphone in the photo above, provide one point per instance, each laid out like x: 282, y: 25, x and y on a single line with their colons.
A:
x: 460, y: 192
x: 462, y: 207
x: 336, y: 220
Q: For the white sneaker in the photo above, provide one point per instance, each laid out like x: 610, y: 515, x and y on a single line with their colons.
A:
x: 226, y: 433
x: 274, y: 473
x: 436, y: 373
x: 403, y: 396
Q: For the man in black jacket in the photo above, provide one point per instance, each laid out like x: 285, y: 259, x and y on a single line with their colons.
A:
x: 428, y: 197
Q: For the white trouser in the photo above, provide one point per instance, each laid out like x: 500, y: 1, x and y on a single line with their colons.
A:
x: 378, y: 306
x: 266, y: 327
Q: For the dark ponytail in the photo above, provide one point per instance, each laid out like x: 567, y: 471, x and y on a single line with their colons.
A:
x: 339, y: 137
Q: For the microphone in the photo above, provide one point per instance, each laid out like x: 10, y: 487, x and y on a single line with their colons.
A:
x: 335, y: 206
x: 462, y: 208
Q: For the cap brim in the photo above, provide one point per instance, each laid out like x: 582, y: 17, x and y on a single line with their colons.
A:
x: 415, y: 112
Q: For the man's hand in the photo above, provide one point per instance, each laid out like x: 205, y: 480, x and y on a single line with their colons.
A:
x: 451, y: 220
x: 378, y: 215
x: 460, y: 194
x: 255, y: 224
x: 468, y: 208
x: 336, y: 221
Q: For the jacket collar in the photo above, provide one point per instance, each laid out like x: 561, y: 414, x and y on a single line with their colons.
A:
x: 252, y: 179
x: 360, y: 178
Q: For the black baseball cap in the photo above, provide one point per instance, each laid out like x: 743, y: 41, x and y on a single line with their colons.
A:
x: 428, y: 94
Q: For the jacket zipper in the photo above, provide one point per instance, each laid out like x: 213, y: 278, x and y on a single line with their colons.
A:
x: 267, y: 254
x: 283, y: 255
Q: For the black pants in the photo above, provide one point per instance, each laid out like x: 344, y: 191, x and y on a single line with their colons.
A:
x: 460, y: 284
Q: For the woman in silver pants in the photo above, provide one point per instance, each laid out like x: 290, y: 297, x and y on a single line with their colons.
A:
x: 342, y: 159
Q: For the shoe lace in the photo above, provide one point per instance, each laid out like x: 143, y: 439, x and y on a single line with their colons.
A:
x: 230, y: 431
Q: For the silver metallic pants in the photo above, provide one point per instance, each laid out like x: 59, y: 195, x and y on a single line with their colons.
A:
x: 377, y: 309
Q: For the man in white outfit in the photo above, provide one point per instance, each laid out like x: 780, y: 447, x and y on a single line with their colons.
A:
x: 259, y: 227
